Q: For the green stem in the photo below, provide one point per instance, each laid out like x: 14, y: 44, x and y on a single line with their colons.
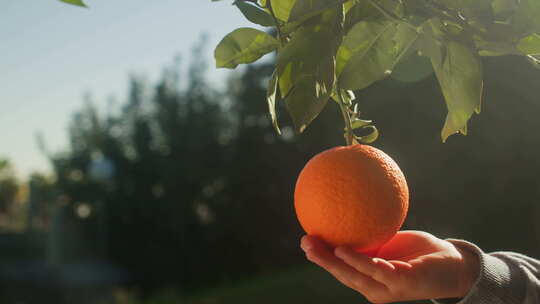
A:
x: 443, y: 13
x: 347, y: 119
x: 281, y: 38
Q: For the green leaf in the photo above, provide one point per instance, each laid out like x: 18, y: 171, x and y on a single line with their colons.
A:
x: 404, y: 39
x: 305, y: 101
x: 364, y: 11
x: 300, y: 19
x: 371, y: 137
x: 360, y: 123
x: 359, y: 63
x: 254, y: 14
x: 429, y: 43
x: 460, y: 78
x: 306, y: 68
x: 496, y: 48
x: 526, y: 19
x: 310, y: 48
x: 244, y: 45
x: 303, y: 9
x: 347, y: 6
x: 412, y: 69
x: 271, y: 99
x: 75, y: 2
x: 370, y: 51
x: 346, y: 97
x: 530, y: 45
x: 477, y: 11
x: 282, y: 8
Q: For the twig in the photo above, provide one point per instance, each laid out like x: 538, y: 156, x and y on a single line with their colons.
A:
x: 347, y: 119
x: 391, y: 16
x: 455, y: 17
x: 276, y: 22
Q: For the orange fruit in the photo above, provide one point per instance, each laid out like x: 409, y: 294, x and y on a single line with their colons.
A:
x: 354, y: 195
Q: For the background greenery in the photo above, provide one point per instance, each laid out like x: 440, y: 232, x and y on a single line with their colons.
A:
x: 184, y: 194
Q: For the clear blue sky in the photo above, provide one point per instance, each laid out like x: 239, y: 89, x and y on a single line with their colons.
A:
x: 52, y: 53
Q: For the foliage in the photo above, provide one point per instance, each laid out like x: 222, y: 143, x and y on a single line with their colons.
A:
x: 327, y: 48
x: 75, y: 2
x: 8, y: 186
x: 12, y: 196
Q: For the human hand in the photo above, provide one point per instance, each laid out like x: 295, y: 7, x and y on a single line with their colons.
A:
x: 413, y: 265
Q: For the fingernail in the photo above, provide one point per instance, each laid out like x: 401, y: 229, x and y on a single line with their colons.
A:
x: 311, y: 257
x: 338, y: 252
x: 305, y: 246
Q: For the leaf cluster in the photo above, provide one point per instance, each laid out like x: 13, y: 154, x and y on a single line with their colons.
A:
x: 326, y: 49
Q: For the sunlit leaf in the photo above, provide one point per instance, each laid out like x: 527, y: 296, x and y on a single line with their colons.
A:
x: 244, y: 45
x: 346, y: 96
x: 489, y: 48
x: 429, y: 44
x: 371, y: 137
x: 460, y: 78
x: 369, y: 52
x: 360, y: 123
x: 75, y: 2
x: 282, y: 8
x: 271, y: 99
x: 254, y: 14
x: 347, y: 6
x: 309, y: 8
x: 359, y: 63
x: 304, y: 55
x: 305, y: 101
x: 306, y: 69
x: 364, y: 11
x: 530, y: 45
x: 369, y: 40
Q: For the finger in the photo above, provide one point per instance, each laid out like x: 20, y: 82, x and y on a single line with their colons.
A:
x: 309, y: 242
x: 346, y: 274
x: 318, y: 253
x: 378, y: 269
x: 400, y: 265
x: 406, y: 244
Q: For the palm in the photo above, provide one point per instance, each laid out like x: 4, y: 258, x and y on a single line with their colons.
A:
x: 421, y: 259
x: 409, y: 245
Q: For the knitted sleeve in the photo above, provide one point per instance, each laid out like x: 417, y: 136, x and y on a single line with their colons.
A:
x: 505, y: 278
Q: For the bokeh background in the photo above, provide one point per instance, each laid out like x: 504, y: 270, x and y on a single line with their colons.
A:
x: 132, y: 171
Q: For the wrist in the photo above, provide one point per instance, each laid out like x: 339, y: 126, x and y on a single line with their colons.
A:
x: 470, y: 270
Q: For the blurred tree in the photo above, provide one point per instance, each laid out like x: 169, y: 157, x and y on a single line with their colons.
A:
x: 8, y: 186
x: 42, y: 194
x: 178, y: 194
x: 11, y: 198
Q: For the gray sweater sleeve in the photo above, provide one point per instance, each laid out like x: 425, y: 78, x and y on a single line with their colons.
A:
x: 505, y: 278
